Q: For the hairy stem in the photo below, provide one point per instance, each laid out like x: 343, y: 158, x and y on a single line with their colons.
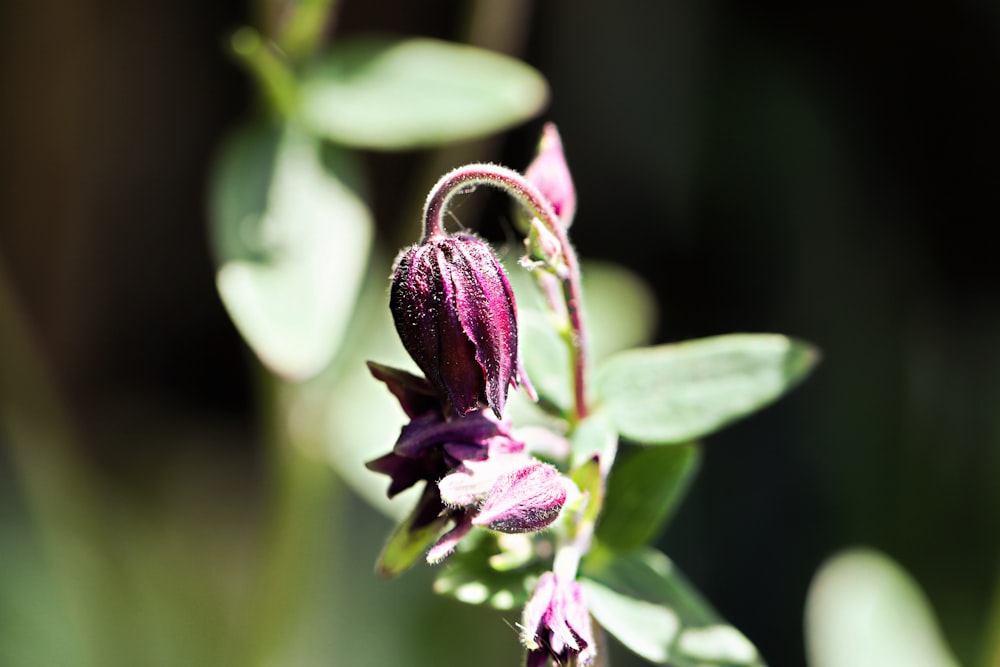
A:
x: 465, y: 178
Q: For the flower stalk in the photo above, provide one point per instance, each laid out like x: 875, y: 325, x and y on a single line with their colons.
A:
x: 463, y: 178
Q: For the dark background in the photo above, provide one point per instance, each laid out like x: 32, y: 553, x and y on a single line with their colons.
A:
x: 820, y: 171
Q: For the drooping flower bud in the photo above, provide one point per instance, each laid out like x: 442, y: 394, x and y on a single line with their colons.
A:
x: 455, y: 314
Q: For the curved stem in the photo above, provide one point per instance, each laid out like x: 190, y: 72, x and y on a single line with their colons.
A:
x: 467, y: 177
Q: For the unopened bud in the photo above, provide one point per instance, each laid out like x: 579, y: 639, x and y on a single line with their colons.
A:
x: 454, y: 311
x: 550, y: 174
x: 523, y: 500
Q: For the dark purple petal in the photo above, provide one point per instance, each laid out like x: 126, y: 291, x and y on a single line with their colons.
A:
x: 405, y: 472
x: 428, y: 431
x: 488, y: 316
x: 414, y: 393
x: 460, y: 374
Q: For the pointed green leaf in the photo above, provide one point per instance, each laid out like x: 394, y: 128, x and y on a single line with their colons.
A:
x: 644, y: 490
x: 864, y: 610
x: 643, y: 600
x: 677, y: 393
x: 647, y: 629
x: 390, y: 94
x: 407, y: 545
x: 291, y: 237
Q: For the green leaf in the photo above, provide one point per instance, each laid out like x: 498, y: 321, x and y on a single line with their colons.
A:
x: 406, y: 545
x: 864, y: 610
x: 593, y: 436
x: 291, y: 236
x: 482, y: 572
x: 678, y: 393
x: 546, y: 359
x: 390, y: 94
x: 647, y: 629
x: 644, y: 490
x: 643, y: 600
x: 621, y: 308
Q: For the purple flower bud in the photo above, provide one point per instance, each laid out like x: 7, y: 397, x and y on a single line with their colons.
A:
x: 471, y: 483
x: 455, y: 314
x: 523, y: 500
x: 556, y: 624
x: 550, y: 174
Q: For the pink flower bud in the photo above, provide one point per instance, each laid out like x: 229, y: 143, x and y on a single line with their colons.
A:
x: 550, y: 174
x: 522, y: 500
x: 556, y: 624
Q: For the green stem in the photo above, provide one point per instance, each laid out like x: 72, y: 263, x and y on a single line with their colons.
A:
x: 467, y: 177
x: 302, y: 33
x: 275, y: 78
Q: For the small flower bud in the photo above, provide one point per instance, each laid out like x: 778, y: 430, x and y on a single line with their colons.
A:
x: 455, y: 314
x: 523, y: 500
x: 556, y: 624
x: 550, y: 174
x: 544, y: 249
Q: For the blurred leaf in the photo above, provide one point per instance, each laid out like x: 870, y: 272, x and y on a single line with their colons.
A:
x: 644, y: 490
x: 356, y: 417
x: 542, y: 348
x: 864, y: 610
x: 643, y: 600
x: 546, y: 359
x: 396, y: 94
x: 405, y: 546
x: 291, y: 236
x: 647, y: 629
x: 470, y: 575
x: 677, y: 393
x: 621, y: 308
x: 268, y: 66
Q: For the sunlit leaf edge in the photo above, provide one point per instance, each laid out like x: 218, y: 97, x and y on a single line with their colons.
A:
x: 799, y: 359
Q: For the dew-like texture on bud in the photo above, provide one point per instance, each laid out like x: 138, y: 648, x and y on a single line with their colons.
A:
x: 550, y: 174
x: 455, y: 314
x: 524, y: 499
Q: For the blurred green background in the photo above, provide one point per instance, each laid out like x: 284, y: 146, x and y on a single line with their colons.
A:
x: 811, y: 170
